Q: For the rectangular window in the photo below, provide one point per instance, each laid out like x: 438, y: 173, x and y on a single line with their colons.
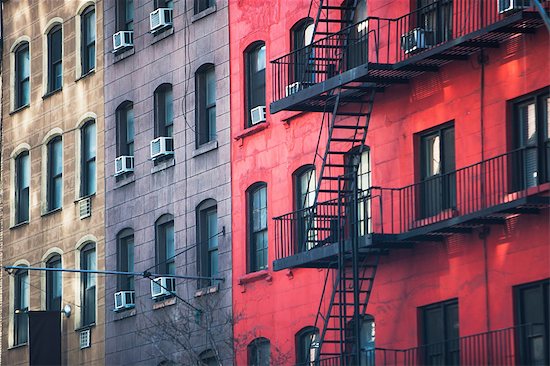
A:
x: 437, y: 169
x: 532, y: 304
x: 208, y: 237
x: 53, y: 284
x: 55, y: 174
x: 125, y: 15
x: 201, y: 5
x: 88, y: 285
x: 22, y: 187
x: 255, y: 72
x: 88, y: 36
x: 305, y: 186
x: 21, y: 306
x: 126, y: 260
x: 55, y: 69
x: 164, y: 4
x: 258, y: 229
x: 164, y: 116
x: 436, y: 16
x: 125, y: 130
x: 206, y: 105
x: 440, y: 333
x: 22, y: 76
x: 166, y: 248
x: 88, y: 163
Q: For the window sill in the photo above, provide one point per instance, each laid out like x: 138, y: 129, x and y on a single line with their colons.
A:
x: 84, y: 197
x: 251, y: 131
x: 122, y: 54
x: 164, y: 303
x: 19, y: 109
x: 161, y: 34
x: 20, y: 224
x: 206, y: 12
x: 124, y: 180
x: 83, y: 76
x: 17, y: 346
x: 51, y: 212
x: 124, y: 314
x: 163, y: 165
x: 255, y: 276
x: 204, y: 148
x: 207, y: 290
x: 49, y: 94
x: 84, y: 327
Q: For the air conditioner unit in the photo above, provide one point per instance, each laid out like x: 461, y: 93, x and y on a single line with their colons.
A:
x: 257, y: 114
x: 123, y: 40
x: 160, y: 18
x: 162, y: 146
x: 124, y: 164
x: 506, y: 6
x: 85, y: 207
x: 84, y: 337
x: 293, y: 88
x: 162, y: 286
x: 416, y: 40
x: 124, y: 300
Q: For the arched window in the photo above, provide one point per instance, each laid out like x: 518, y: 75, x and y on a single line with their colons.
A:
x: 259, y: 352
x: 164, y: 114
x: 88, y: 159
x: 54, y: 182
x: 125, y: 259
x: 22, y: 187
x: 22, y: 75
x: 302, y: 36
x: 306, y: 345
x: 21, y: 306
x: 53, y: 284
x: 88, y: 284
x: 125, y: 129
x: 363, y: 183
x: 205, y: 100
x: 87, y: 39
x: 255, y: 78
x: 304, y: 193
x: 257, y: 227
x: 207, y: 234
x: 165, y: 245
x: 55, y: 68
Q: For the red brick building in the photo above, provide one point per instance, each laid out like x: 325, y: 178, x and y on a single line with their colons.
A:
x: 405, y: 156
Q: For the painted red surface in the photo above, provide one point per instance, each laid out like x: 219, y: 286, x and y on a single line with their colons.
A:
x: 276, y: 305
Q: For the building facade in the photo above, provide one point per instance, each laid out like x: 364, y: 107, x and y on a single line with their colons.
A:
x: 404, y: 159
x: 52, y: 163
x: 168, y: 207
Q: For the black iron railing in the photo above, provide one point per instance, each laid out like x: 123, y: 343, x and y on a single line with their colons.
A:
x: 466, y: 191
x: 381, y: 41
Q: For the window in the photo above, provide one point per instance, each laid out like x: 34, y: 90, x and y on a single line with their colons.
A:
x: 306, y: 343
x: 440, y: 333
x: 201, y: 5
x: 208, y: 358
x: 207, y: 234
x: 301, y: 36
x: 87, y: 284
x: 164, y: 116
x: 531, y: 131
x: 87, y: 40
x: 22, y: 75
x: 255, y: 78
x: 437, y: 165
x: 367, y: 338
x: 257, y: 211
x: 166, y: 263
x: 357, y: 53
x: 363, y: 183
x: 125, y: 129
x: 22, y: 187
x: 205, y: 104
x: 55, y: 69
x: 125, y: 259
x: 532, y: 304
x: 164, y: 4
x: 436, y: 16
x: 21, y: 306
x: 88, y: 157
x: 259, y: 352
x: 304, y: 188
x: 54, y: 183
x: 125, y: 15
x: 53, y: 284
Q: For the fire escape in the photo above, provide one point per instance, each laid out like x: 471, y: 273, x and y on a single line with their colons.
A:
x: 350, y: 224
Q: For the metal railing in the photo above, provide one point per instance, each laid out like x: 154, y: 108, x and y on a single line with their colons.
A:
x: 382, y: 41
x: 499, y: 180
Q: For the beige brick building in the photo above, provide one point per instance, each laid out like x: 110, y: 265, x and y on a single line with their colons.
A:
x: 52, y: 163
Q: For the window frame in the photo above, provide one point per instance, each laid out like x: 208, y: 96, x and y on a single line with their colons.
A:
x: 252, y: 77
x: 253, y: 249
x: 254, y: 348
x: 201, y: 5
x: 123, y: 22
x: 424, y: 345
x: 88, y: 315
x: 301, y: 341
x: 51, y: 196
x: 54, y: 279
x: 19, y: 79
x: 164, y: 4
x: 125, y: 261
x: 22, y: 190
x: 205, y: 128
x: 125, y: 146
x: 163, y: 261
x: 298, y: 43
x: 163, y: 127
x: 52, y: 63
x: 205, y: 250
x: 88, y: 161
x: 20, y: 315
x: 302, y: 201
x: 87, y: 62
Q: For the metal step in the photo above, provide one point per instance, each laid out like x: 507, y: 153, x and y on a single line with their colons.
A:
x: 338, y: 139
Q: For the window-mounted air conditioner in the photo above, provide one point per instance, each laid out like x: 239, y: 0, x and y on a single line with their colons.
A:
x: 160, y: 18
x: 124, y: 164
x: 416, y: 40
x: 506, y: 6
x: 124, y: 300
x: 85, y: 208
x: 162, y: 286
x: 162, y: 146
x: 257, y: 114
x: 293, y: 88
x: 123, y: 40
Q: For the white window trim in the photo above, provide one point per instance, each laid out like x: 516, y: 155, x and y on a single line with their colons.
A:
x: 86, y: 239
x: 15, y: 153
x: 88, y: 116
x: 45, y: 258
x: 11, y: 319
x: 16, y: 44
x: 44, y: 168
x: 78, y: 37
x: 45, y: 73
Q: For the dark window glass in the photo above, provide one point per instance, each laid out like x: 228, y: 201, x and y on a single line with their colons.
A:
x: 532, y: 302
x: 125, y: 129
x: 201, y: 5
x: 55, y: 69
x: 206, y: 105
x: 208, y: 358
x: 125, y: 241
x: 306, y: 344
x: 208, y: 239
x: 125, y: 15
x: 357, y: 52
x: 21, y: 306
x: 258, y: 228
x: 255, y: 78
x: 438, y: 185
x: 88, y: 284
x: 166, y: 249
x: 88, y: 163
x: 164, y: 115
x: 53, y: 284
x: 55, y: 174
x: 302, y: 35
x: 22, y: 75
x: 440, y: 334
x: 304, y: 188
x: 436, y: 17
x: 87, y: 40
x: 259, y: 352
x: 164, y: 4
x: 22, y: 187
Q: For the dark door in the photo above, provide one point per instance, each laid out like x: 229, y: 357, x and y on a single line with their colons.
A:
x: 440, y: 334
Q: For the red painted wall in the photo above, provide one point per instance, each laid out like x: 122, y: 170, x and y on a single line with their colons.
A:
x: 276, y: 305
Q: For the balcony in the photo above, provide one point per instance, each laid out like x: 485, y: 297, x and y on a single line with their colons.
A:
x: 485, y: 193
x: 379, y: 52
